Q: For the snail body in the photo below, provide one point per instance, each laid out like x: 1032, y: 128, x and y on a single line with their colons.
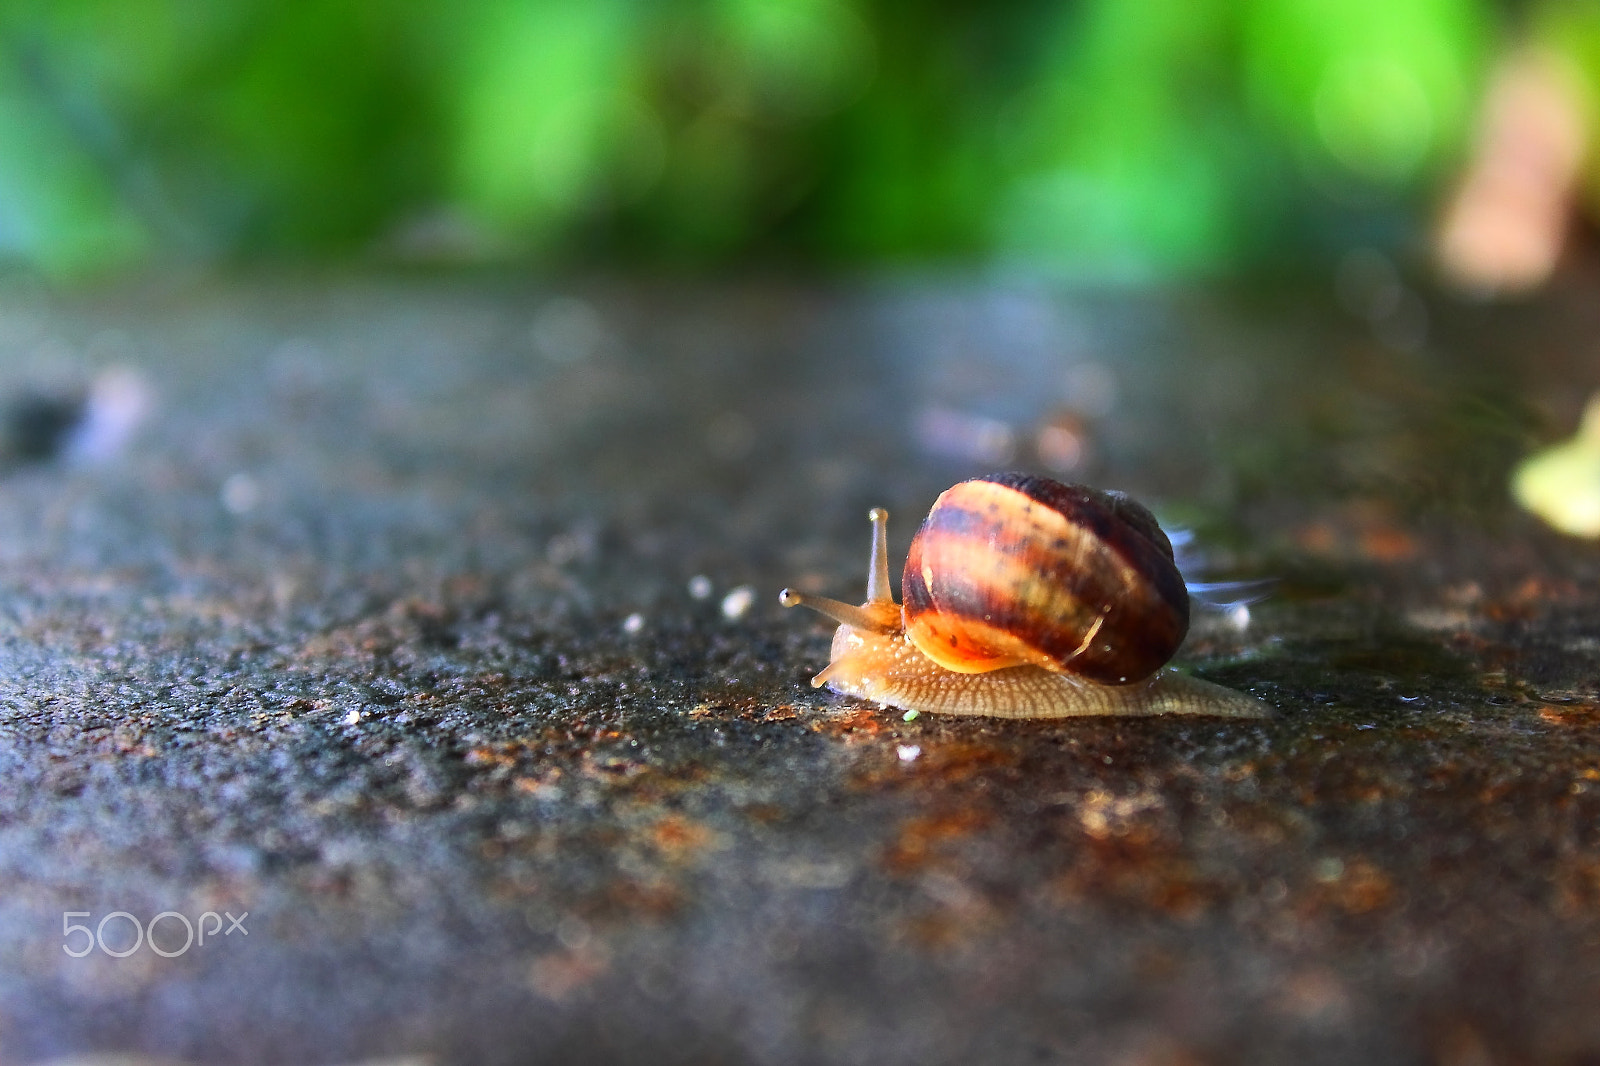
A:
x: 1024, y: 598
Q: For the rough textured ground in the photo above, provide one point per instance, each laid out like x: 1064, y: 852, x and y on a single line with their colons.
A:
x: 384, y: 629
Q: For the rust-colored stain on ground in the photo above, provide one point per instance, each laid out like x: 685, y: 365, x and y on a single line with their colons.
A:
x: 1388, y: 545
x: 1354, y: 886
x: 560, y: 975
x: 1577, y: 885
x: 941, y: 762
x: 626, y: 898
x: 1582, y: 715
x: 859, y: 723
x: 678, y: 839
x: 491, y: 755
x: 957, y: 919
x: 1360, y: 531
x: 952, y: 761
x: 923, y: 840
x: 1138, y: 870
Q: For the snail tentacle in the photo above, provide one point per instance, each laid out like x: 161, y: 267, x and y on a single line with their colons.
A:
x: 878, y: 590
x: 863, y: 617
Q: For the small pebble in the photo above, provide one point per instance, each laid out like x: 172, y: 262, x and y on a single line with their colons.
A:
x: 118, y: 401
x: 908, y: 752
x: 240, y: 494
x: 700, y: 587
x: 352, y: 718
x: 736, y: 603
x: 633, y: 623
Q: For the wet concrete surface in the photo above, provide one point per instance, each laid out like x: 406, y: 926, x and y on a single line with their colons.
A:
x: 412, y: 624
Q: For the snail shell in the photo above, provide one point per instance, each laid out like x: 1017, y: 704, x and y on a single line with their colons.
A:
x: 1014, y: 569
x: 1024, y: 598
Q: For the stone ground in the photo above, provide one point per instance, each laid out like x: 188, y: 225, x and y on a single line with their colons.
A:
x: 432, y: 624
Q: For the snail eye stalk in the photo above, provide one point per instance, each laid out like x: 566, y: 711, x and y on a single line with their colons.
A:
x: 880, y: 614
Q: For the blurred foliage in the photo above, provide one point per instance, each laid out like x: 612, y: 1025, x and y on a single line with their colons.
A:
x: 1124, y: 138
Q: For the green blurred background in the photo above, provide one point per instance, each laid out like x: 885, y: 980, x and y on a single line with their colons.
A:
x: 1120, y: 139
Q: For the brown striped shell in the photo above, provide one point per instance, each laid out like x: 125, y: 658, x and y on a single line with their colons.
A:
x: 1015, y: 569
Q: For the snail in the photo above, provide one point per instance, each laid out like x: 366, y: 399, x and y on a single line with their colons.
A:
x: 1024, y: 598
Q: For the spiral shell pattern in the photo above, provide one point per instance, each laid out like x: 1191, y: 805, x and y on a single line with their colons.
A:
x: 1014, y: 569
